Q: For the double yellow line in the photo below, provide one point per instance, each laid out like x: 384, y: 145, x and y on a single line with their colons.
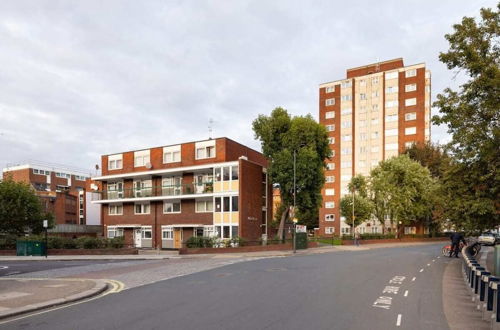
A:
x: 116, y: 286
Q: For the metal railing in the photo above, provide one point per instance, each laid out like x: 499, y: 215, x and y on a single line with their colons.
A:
x: 157, y: 191
x: 484, y: 288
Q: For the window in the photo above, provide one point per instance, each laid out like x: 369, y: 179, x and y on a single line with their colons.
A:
x: 362, y: 82
x: 226, y: 207
x: 410, y: 230
x: 115, y: 209
x: 172, y: 154
x: 410, y: 130
x: 374, y: 94
x: 146, y: 233
x: 346, y: 230
x: 375, y: 107
x: 391, y: 104
x: 329, y: 114
x: 362, y: 163
x: 225, y: 173
x: 345, y: 178
x: 330, y: 166
x: 35, y: 171
x: 329, y: 230
x: 391, y: 118
x: 226, y: 204
x: 346, y: 124
x: 362, y: 123
x: 63, y: 175
x: 329, y: 192
x: 391, y: 132
x: 142, y: 208
x: 363, y: 150
x: 409, y: 144
x: 346, y: 97
x: 115, y: 162
x: 346, y: 111
x: 331, y: 140
x: 374, y: 149
x: 330, y: 128
x: 172, y: 207
x: 410, y: 87
x: 204, y: 206
x: 80, y: 178
x: 141, y: 158
x: 362, y: 109
x: 410, y: 116
x: 167, y: 233
x: 411, y: 73
x: 329, y: 101
x: 329, y: 205
x: 330, y: 89
x: 329, y: 217
x: 234, y: 172
x: 362, y: 96
x: 345, y: 164
x: 346, y: 137
x: 346, y: 84
x: 391, y: 75
x: 391, y: 89
x: 329, y: 178
x: 115, y: 232
x: 410, y: 102
x: 374, y: 80
x: 346, y: 151
x: 391, y: 146
x: 205, y: 149
x: 143, y: 188
x: 363, y: 136
x: 374, y: 135
x: 234, y: 203
x: 374, y: 121
x: 333, y: 153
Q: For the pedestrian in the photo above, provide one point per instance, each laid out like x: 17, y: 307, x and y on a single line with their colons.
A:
x: 356, y: 237
x: 455, y: 243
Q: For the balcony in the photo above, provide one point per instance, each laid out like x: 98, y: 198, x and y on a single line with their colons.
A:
x: 154, y: 193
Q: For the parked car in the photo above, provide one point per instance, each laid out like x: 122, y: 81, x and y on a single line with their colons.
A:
x: 488, y: 239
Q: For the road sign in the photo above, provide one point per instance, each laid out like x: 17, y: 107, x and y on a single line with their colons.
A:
x: 45, y: 223
x: 300, y: 229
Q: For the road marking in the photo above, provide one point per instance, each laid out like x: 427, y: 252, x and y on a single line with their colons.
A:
x: 12, y: 273
x: 413, y: 279
x: 4, y: 267
x: 428, y: 265
x: 439, y: 257
x: 406, y: 293
x: 398, y: 322
x: 421, y: 270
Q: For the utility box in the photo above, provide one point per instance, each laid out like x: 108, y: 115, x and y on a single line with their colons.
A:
x: 30, y: 248
x: 301, y: 241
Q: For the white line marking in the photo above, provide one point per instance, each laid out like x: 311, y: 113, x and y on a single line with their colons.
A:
x: 421, y: 270
x: 428, y: 265
x: 439, y: 257
x: 406, y: 293
x: 4, y: 267
x: 413, y: 279
x: 433, y: 260
x: 398, y: 322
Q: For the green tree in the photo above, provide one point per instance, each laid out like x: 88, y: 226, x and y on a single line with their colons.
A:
x: 473, y: 118
x: 281, y: 136
x: 432, y: 156
x: 362, y: 209
x: 20, y: 209
x: 401, y: 189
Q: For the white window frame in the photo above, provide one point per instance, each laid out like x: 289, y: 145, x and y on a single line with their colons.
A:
x: 330, y: 178
x: 330, y: 192
x: 329, y: 114
x: 329, y: 102
x: 144, y: 230
x: 205, y: 150
x: 391, y: 118
x: 141, y: 158
x: 169, y: 231
x: 391, y: 75
x: 391, y: 89
x: 346, y: 84
x: 116, y: 208
x: 329, y: 230
x: 347, y: 97
x: 330, y: 166
x: 410, y: 73
x: 331, y: 140
x: 145, y: 208
x: 330, y: 217
x: 172, y: 207
x: 330, y: 128
x: 392, y: 104
x: 410, y: 102
x: 410, y: 116
x: 410, y: 87
x: 411, y: 130
x: 391, y: 146
x: 329, y: 205
x: 117, y: 232
x: 115, y: 162
x: 205, y: 209
x: 346, y: 111
x: 172, y: 154
x: 330, y: 89
x: 391, y: 132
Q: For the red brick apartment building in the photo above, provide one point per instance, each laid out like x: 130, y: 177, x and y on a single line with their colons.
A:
x: 160, y: 197
x: 371, y: 115
x: 62, y: 190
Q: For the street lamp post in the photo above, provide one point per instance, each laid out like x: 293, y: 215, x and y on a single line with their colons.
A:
x: 294, y: 200
x: 353, y: 225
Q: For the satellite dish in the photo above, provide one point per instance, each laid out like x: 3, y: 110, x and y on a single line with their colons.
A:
x: 96, y: 167
x: 149, y: 166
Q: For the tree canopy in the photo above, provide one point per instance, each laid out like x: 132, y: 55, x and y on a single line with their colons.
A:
x: 281, y: 136
x: 472, y: 116
x: 20, y: 209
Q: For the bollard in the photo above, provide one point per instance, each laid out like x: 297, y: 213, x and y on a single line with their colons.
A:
x: 482, y: 285
x: 476, y: 279
x: 471, y: 275
x: 489, y: 296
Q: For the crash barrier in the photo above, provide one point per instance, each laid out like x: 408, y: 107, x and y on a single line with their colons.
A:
x: 484, y: 288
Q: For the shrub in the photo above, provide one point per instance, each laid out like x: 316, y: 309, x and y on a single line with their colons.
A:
x: 200, y: 242
x: 86, y: 242
x: 69, y: 243
x: 8, y: 242
x: 116, y: 242
x: 55, y: 242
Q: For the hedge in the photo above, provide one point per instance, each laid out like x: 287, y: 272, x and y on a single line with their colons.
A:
x: 84, y: 242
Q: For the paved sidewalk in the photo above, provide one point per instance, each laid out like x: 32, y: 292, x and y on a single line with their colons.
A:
x: 24, y: 295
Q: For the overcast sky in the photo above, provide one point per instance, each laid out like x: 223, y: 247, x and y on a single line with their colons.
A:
x: 79, y: 79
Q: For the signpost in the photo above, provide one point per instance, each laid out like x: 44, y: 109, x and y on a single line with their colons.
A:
x: 46, y: 226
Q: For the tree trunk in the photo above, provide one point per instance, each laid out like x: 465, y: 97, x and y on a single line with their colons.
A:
x: 281, y: 228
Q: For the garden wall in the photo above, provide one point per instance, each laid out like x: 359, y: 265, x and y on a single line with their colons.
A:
x: 257, y: 248
x: 396, y: 240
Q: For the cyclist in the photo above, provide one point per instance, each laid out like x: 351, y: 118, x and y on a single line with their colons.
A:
x: 455, y: 243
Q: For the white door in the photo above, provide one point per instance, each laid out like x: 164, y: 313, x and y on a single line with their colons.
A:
x: 137, y: 238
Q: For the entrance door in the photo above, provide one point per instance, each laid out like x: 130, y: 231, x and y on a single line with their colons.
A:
x: 137, y: 238
x: 177, y: 238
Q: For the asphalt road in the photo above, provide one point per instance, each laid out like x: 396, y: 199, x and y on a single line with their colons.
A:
x: 392, y: 288
x: 11, y: 268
